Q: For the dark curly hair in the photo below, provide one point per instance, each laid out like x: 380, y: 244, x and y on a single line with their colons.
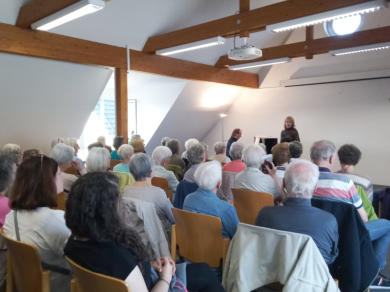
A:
x: 349, y: 154
x: 92, y: 211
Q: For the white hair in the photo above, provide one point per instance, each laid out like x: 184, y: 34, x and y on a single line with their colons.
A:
x: 253, y: 155
x: 71, y: 141
x: 208, y: 175
x: 235, y: 150
x: 190, y: 142
x: 98, y: 159
x: 219, y: 148
x: 301, y: 178
x: 160, y: 154
x: 322, y: 150
x: 102, y: 140
x: 56, y: 141
x: 125, y: 151
x: 62, y: 153
x: 14, y: 148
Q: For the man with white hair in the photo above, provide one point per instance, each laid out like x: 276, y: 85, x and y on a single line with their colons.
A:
x: 205, y: 201
x: 297, y: 214
x: 252, y: 178
x: 161, y: 156
x: 340, y: 188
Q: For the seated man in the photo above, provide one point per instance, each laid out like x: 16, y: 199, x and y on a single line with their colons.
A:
x: 297, y: 214
x: 337, y: 187
x: 252, y: 178
x: 205, y: 201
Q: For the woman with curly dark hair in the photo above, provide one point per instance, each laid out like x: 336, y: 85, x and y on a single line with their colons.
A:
x: 101, y: 241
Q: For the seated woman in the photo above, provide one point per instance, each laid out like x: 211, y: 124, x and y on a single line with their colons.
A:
x: 104, y: 244
x: 195, y: 156
x: 98, y: 159
x: 33, y: 195
x: 124, y: 152
x: 142, y: 189
x: 118, y: 141
x: 235, y: 153
x: 161, y: 157
x: 220, y: 150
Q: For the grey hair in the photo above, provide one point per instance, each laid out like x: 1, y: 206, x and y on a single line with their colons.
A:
x: 322, y: 150
x: 140, y: 166
x: 56, y: 141
x: 135, y: 137
x: 102, y: 140
x: 195, y: 154
x: 125, y: 151
x: 160, y: 154
x: 6, y: 170
x: 219, y: 148
x: 165, y: 140
x: 98, y: 159
x: 235, y: 151
x: 208, y: 175
x: 71, y: 141
x: 301, y: 178
x: 11, y: 148
x: 62, y: 153
x: 253, y: 155
x: 190, y: 142
x: 174, y: 145
x: 295, y: 148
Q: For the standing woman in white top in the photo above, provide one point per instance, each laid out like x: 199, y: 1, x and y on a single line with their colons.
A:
x: 34, y: 194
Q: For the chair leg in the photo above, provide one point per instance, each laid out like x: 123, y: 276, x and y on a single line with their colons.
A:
x: 46, y: 281
x: 10, y: 287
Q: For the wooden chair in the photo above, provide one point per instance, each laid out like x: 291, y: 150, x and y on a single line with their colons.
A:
x: 199, y: 238
x: 163, y: 184
x: 24, y: 268
x: 86, y: 280
x: 61, y: 201
x: 248, y: 204
x: 72, y: 170
x: 113, y: 163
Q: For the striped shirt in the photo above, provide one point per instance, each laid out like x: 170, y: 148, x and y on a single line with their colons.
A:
x: 337, y: 187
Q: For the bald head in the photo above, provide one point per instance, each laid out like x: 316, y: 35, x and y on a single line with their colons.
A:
x: 301, y: 178
x: 322, y: 151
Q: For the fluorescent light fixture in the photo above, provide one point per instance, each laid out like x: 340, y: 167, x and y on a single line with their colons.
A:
x: 69, y: 13
x: 192, y: 46
x: 361, y: 49
x: 366, y: 7
x: 260, y: 64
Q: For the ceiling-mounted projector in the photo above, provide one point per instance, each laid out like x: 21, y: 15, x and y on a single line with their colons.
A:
x: 244, y: 53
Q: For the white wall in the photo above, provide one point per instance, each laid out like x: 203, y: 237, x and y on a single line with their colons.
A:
x: 352, y: 112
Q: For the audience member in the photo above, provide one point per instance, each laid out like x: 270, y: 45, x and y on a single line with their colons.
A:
x: 349, y: 156
x: 105, y: 244
x: 73, y: 143
x: 206, y: 151
x: 251, y: 178
x: 220, y: 153
x: 142, y: 189
x: 7, y: 175
x: 135, y: 137
x: 164, y: 141
x: 187, y: 145
x: 33, y: 197
x: 236, y: 135
x: 63, y: 155
x: 296, y: 149
x: 118, y: 141
x: 205, y: 201
x: 56, y: 141
x: 14, y: 150
x: 337, y: 187
x: 125, y: 152
x: 98, y: 159
x: 235, y: 154
x: 95, y: 145
x: 196, y: 156
x: 174, y: 145
x: 297, y: 214
x: 27, y: 154
x: 161, y: 156
x: 280, y: 158
x: 102, y: 140
x: 138, y: 146
x: 290, y: 133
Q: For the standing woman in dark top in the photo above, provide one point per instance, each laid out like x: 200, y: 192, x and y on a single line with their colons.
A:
x: 103, y: 243
x: 289, y: 133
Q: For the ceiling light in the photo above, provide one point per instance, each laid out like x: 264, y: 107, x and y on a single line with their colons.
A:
x: 216, y: 41
x: 343, y: 26
x: 366, y: 7
x: 222, y: 115
x: 260, y: 64
x: 361, y: 49
x: 69, y: 13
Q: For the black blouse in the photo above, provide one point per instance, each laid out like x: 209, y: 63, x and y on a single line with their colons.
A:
x: 289, y: 135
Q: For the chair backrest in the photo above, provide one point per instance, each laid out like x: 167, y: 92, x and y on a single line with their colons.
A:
x: 199, y: 237
x: 248, y: 204
x: 25, y: 268
x: 61, y: 201
x: 72, y: 170
x: 114, y: 162
x: 160, y: 182
x: 86, y: 280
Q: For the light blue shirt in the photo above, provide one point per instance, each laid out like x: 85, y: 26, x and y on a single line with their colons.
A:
x: 206, y: 202
x: 122, y: 167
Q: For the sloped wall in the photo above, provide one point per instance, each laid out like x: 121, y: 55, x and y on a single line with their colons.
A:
x: 41, y: 99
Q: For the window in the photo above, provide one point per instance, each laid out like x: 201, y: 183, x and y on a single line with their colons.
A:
x: 343, y: 26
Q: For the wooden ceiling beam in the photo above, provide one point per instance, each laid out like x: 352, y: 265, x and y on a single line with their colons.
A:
x: 38, y: 9
x: 252, y: 21
x: 317, y: 46
x: 41, y: 44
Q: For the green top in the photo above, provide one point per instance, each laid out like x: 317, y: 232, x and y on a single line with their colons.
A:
x: 366, y: 204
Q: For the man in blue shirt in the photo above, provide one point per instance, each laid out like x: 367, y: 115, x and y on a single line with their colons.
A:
x: 297, y: 214
x: 204, y: 200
